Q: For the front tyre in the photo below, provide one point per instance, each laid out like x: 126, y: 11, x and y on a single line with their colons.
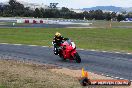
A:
x: 77, y: 58
x: 62, y: 57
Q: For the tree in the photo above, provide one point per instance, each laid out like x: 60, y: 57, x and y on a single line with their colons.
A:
x: 107, y: 16
x: 120, y: 17
x: 38, y: 13
x: 1, y: 10
x: 28, y: 12
x: 6, y: 11
x: 53, y: 5
x: 12, y: 5
x: 98, y: 14
x: 113, y: 15
x: 16, y: 8
x: 42, y: 12
x: 64, y: 9
x: 86, y: 14
x: 129, y: 15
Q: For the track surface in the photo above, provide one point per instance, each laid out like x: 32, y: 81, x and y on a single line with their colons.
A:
x: 112, y: 64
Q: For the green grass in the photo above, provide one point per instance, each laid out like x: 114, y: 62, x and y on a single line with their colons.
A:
x: 106, y: 24
x: 118, y: 39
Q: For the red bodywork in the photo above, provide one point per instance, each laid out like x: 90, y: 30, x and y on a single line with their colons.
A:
x: 67, y: 51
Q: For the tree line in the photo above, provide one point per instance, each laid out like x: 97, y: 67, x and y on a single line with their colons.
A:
x: 15, y: 8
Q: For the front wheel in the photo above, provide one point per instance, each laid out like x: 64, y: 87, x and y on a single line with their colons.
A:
x: 62, y: 57
x: 77, y: 58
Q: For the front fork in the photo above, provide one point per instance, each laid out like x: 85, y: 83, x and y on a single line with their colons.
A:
x: 73, y: 52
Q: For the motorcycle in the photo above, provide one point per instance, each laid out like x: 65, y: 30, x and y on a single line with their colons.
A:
x: 67, y: 50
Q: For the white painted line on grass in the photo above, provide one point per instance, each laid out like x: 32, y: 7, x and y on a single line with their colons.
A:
x: 93, y: 50
x: 32, y: 45
x: 17, y: 44
x: 117, y: 52
x: 4, y: 43
x: 80, y: 49
x: 104, y: 51
x: 44, y: 46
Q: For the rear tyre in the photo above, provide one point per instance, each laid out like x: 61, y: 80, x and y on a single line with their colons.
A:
x: 77, y: 58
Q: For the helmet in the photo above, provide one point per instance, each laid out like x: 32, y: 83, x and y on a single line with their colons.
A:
x: 57, y: 34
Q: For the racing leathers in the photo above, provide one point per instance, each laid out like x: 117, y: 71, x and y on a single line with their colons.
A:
x: 56, y: 42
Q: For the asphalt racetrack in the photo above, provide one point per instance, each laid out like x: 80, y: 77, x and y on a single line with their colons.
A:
x: 109, y: 64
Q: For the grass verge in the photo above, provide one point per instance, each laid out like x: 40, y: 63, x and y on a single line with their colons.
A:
x: 16, y: 74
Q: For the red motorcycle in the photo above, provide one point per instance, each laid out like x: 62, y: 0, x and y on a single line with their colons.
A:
x: 67, y: 50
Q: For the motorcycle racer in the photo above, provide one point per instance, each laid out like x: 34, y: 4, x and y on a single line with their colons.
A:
x: 57, y: 40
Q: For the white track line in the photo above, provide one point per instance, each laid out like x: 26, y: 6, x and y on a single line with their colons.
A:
x: 44, y: 46
x: 80, y: 49
x: 4, y: 43
x: 32, y: 45
x: 93, y: 50
x: 104, y: 51
x: 17, y: 44
x: 112, y: 76
x: 116, y: 52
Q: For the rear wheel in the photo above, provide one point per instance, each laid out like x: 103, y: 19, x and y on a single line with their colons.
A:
x: 62, y: 58
x: 77, y: 58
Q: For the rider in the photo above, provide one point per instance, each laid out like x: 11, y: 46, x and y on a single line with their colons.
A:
x: 57, y: 41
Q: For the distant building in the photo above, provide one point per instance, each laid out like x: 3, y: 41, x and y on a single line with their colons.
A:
x: 111, y: 12
x: 77, y: 10
x: 107, y: 11
x: 128, y: 19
